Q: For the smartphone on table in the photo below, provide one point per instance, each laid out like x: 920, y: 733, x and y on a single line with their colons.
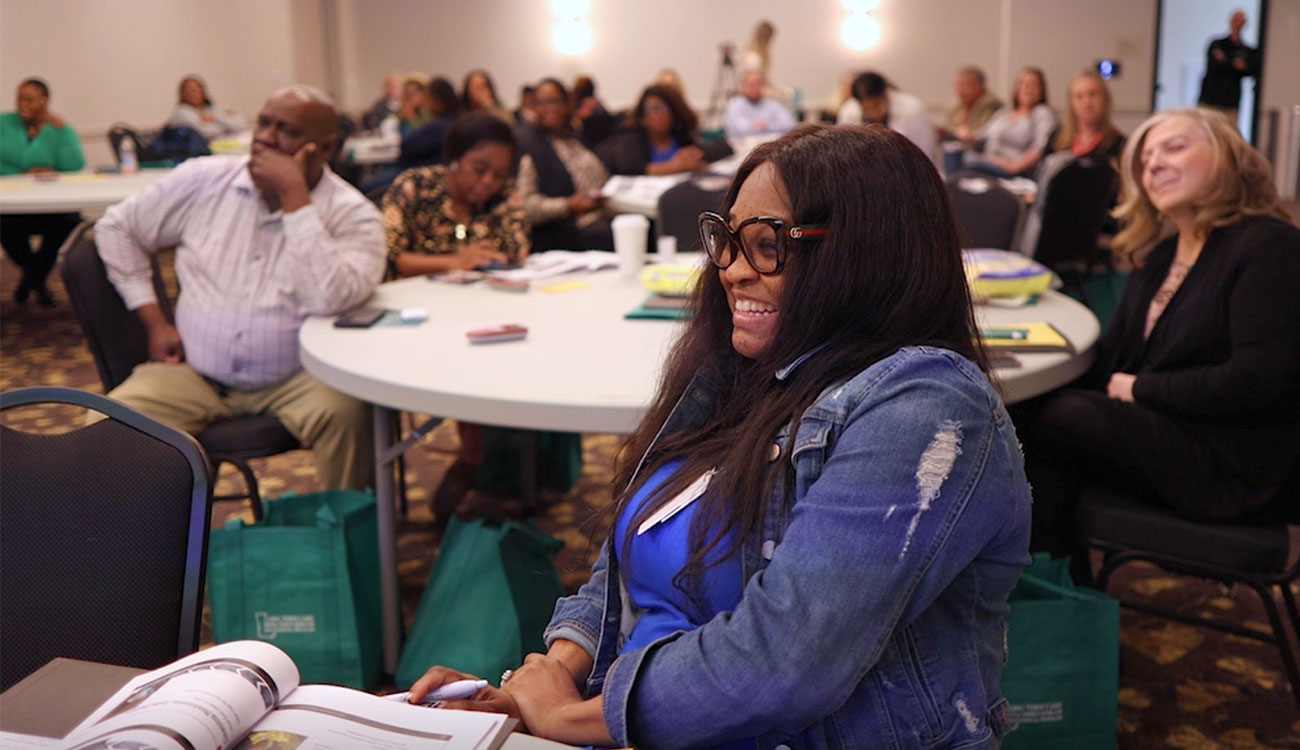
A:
x: 360, y: 317
x: 500, y: 332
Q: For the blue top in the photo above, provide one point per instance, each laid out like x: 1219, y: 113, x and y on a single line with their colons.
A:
x: 654, y: 560
x: 660, y: 155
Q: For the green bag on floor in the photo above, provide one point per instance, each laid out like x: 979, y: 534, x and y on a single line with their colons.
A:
x: 1061, y: 678
x: 559, y: 460
x: 305, y: 578
x: 490, y: 596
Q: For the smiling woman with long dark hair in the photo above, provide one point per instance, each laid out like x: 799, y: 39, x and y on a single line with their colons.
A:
x: 822, y: 514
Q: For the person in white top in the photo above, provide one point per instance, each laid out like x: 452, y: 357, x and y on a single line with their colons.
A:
x: 262, y: 241
x: 750, y: 113
x: 195, y: 110
x: 1016, y: 138
x: 875, y: 99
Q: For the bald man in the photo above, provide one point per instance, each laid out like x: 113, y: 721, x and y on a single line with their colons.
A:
x: 262, y: 241
x: 1227, y: 61
x: 751, y: 113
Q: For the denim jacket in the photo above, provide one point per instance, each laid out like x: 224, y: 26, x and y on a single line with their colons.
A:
x: 874, y: 600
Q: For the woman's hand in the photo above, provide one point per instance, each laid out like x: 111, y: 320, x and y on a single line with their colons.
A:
x: 1120, y: 387
x: 1004, y: 164
x: 550, y: 705
x: 688, y: 159
x: 488, y: 699
x: 581, y: 203
x: 479, y: 253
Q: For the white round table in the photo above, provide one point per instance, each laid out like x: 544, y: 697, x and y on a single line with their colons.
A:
x: 582, y: 367
x: 71, y: 191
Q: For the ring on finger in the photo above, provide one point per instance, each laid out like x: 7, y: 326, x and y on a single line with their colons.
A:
x: 506, y: 675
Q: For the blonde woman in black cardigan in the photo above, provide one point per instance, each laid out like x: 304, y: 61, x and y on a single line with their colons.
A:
x: 1194, y: 400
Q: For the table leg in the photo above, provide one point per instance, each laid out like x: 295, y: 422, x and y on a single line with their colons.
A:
x: 384, y: 494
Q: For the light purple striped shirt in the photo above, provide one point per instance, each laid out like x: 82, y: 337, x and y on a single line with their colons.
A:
x: 248, y: 276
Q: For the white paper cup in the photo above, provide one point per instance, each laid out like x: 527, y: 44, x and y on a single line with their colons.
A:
x: 630, y: 232
x: 667, y: 249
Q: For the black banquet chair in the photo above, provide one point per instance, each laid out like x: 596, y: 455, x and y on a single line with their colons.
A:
x: 988, y: 215
x: 102, y: 540
x: 1074, y: 211
x: 1256, y: 554
x: 118, y: 342
x: 680, y: 207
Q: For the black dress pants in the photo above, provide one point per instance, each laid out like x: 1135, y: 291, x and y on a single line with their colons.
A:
x: 16, y: 232
x: 1077, y: 438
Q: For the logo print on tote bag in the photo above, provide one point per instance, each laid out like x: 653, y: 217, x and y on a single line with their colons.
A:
x: 269, y: 626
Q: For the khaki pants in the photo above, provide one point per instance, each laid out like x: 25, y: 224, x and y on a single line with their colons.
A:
x: 336, y: 427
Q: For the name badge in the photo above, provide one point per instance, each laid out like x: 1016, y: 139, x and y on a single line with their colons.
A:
x: 671, y: 508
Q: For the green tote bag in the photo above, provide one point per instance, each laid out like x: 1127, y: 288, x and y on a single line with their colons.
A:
x: 305, y: 578
x: 1061, y: 678
x: 490, y: 596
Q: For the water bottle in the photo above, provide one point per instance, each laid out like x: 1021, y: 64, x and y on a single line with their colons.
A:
x: 126, y: 156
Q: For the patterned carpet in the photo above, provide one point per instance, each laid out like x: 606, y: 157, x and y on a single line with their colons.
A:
x: 1180, y: 686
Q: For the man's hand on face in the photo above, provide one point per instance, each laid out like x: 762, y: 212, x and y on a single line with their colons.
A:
x: 278, y: 174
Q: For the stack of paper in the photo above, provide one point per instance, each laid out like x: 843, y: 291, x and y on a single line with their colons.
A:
x: 642, y: 187
x: 558, y: 262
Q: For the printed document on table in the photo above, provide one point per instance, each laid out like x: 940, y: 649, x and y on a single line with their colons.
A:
x: 206, y: 700
x: 324, y: 716
x: 245, y: 695
x: 15, y: 741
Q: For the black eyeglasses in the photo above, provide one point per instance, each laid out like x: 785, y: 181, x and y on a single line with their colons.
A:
x: 762, y: 239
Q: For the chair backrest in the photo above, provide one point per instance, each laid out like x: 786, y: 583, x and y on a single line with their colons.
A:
x: 1074, y: 211
x: 103, y: 540
x: 120, y: 132
x: 987, y: 218
x: 679, y: 212
x: 115, y: 336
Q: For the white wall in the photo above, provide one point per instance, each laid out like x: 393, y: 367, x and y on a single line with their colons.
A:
x: 923, y: 43
x: 121, y: 61
x: 1281, y: 80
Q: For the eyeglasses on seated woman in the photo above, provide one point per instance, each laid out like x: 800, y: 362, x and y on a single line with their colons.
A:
x: 761, y: 239
x: 820, y: 517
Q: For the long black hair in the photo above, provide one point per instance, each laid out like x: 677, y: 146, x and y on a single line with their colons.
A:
x: 685, y: 121
x: 465, y: 102
x: 443, y: 95
x: 470, y: 130
x: 887, y: 274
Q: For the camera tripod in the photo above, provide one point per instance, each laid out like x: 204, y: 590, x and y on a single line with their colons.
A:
x: 724, y: 85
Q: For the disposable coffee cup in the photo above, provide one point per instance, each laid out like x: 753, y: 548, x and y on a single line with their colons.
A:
x: 630, y: 232
x: 667, y: 249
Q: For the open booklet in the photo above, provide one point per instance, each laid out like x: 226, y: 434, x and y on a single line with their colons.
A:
x: 245, y: 695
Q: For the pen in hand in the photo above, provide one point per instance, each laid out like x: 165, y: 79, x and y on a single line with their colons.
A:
x: 458, y: 690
